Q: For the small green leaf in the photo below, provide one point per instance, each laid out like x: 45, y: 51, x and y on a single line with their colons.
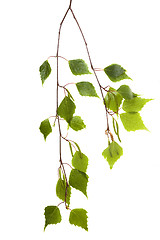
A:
x: 116, y: 128
x: 76, y: 123
x: 134, y: 104
x: 69, y: 94
x: 86, y: 89
x: 59, y: 172
x: 45, y: 71
x: 132, y: 121
x: 116, y: 73
x: 112, y: 153
x: 79, y: 180
x: 45, y: 128
x: 126, y: 92
x: 78, y: 217
x: 66, y: 109
x: 78, y: 147
x: 80, y: 161
x: 78, y: 67
x: 113, y: 100
x: 61, y: 191
x: 52, y: 215
x: 70, y: 147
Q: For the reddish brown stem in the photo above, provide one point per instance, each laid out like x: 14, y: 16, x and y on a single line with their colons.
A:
x: 57, y: 95
x: 56, y: 57
x: 92, y: 66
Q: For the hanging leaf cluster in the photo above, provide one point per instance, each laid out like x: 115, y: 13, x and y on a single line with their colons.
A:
x: 120, y: 104
x: 78, y: 180
x: 116, y: 100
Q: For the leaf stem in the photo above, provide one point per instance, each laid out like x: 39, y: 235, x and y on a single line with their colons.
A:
x: 98, y: 69
x: 65, y: 85
x: 72, y: 143
x: 69, y: 84
x: 105, y: 88
x: 68, y: 165
x: 56, y: 57
x: 59, y: 204
x: 56, y: 117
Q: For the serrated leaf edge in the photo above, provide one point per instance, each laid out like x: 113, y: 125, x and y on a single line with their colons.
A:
x: 52, y: 223
x: 79, y: 225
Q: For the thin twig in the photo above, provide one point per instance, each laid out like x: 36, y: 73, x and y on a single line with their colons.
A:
x: 92, y: 66
x: 59, y: 126
x: 57, y: 95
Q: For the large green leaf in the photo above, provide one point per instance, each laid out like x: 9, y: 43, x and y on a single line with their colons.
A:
x: 113, y: 100
x: 112, y: 153
x: 80, y: 161
x: 45, y: 128
x: 126, y: 92
x: 78, y: 67
x: 66, y: 109
x: 132, y: 121
x: 61, y: 190
x: 76, y: 123
x: 78, y: 217
x: 134, y: 104
x: 116, y: 73
x: 45, y: 70
x: 52, y: 215
x: 86, y: 89
x: 79, y: 180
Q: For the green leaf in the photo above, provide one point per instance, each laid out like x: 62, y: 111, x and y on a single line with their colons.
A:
x: 45, y: 71
x: 126, y: 92
x: 113, y: 100
x: 78, y: 67
x: 116, y: 73
x: 112, y: 153
x: 79, y: 180
x: 116, y: 128
x: 80, y: 161
x: 59, y: 172
x: 86, y: 89
x: 69, y: 94
x: 52, y: 215
x: 71, y: 150
x: 134, y: 104
x: 78, y: 147
x: 76, y: 123
x: 78, y: 217
x: 132, y: 121
x: 61, y: 190
x: 45, y: 128
x: 66, y: 109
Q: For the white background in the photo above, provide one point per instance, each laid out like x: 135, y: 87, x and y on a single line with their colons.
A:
x: 123, y: 203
